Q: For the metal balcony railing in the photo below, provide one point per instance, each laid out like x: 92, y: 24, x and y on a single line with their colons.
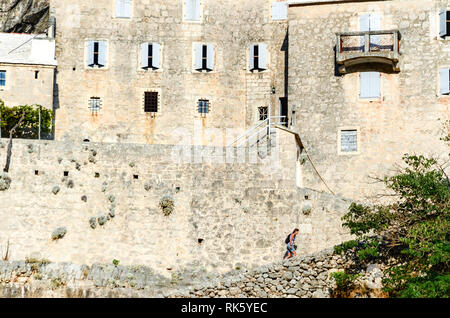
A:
x: 355, y: 48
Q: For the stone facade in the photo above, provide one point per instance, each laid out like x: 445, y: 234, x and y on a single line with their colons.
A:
x: 405, y: 119
x: 233, y: 91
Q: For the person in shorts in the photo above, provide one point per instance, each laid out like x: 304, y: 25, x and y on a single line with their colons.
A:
x: 290, y: 244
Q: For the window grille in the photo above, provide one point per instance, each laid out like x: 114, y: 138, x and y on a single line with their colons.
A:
x: 203, y: 106
x: 348, y: 141
x: 151, y: 102
x: 262, y: 111
x: 95, y: 104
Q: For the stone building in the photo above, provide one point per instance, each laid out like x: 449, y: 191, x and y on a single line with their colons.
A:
x: 361, y: 82
x: 368, y: 82
x: 27, y: 64
x: 165, y: 72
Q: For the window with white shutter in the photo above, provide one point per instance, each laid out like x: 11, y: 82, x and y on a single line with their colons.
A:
x: 279, y: 11
x: 192, y: 10
x: 258, y: 57
x: 150, y: 55
x: 445, y: 81
x: 123, y: 8
x: 370, y: 85
x: 204, y: 57
x: 96, y: 54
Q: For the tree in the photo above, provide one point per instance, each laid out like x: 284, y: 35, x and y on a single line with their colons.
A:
x: 29, y: 127
x: 414, y: 229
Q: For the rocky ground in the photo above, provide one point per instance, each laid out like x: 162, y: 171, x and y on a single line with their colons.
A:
x: 305, y: 277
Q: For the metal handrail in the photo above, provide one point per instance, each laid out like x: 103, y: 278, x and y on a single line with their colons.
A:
x: 249, y: 137
x: 247, y: 132
x: 268, y: 123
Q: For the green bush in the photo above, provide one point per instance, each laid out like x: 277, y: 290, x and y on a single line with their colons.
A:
x: 345, y: 283
x: 338, y: 249
x: 29, y: 128
x: 414, y: 229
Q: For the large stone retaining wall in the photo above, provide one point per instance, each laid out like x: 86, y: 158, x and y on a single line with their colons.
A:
x: 225, y: 215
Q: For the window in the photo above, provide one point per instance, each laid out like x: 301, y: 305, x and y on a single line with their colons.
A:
x: 204, y: 57
x: 151, y: 102
x: 2, y: 78
x: 192, y: 10
x: 123, y: 8
x: 203, y: 106
x: 445, y: 81
x: 36, y: 74
x: 279, y: 11
x: 96, y: 54
x: 262, y: 112
x: 95, y: 104
x: 258, y: 57
x: 370, y: 85
x: 444, y: 23
x: 349, y: 141
x: 150, y: 55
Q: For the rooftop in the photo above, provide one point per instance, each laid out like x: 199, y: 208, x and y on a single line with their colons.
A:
x: 35, y: 49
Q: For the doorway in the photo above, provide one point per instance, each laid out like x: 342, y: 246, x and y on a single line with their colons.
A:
x: 284, y: 111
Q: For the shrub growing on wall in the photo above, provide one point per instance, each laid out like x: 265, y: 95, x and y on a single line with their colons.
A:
x: 29, y: 128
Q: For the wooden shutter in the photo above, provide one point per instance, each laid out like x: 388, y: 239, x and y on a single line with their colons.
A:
x: 279, y: 11
x: 127, y: 8
x: 90, y: 53
x: 445, y: 81
x: 370, y: 85
x: 119, y: 6
x: 151, y: 102
x: 102, y: 53
x: 188, y: 10
x: 375, y: 25
x: 123, y: 8
x: 196, y: 10
x: 198, y: 56
x: 252, y: 57
x: 156, y: 55
x: 262, y: 56
x: 210, y: 57
x: 192, y: 10
x: 443, y: 23
x: 144, y: 55
x: 364, y: 25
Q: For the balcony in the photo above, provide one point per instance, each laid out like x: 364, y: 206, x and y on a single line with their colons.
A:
x: 357, y: 48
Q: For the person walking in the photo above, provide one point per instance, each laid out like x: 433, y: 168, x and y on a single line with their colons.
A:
x: 290, y: 244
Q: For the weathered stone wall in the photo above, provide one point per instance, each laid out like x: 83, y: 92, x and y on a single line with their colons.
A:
x: 225, y: 214
x: 233, y: 91
x: 306, y: 277
x: 21, y: 78
x: 403, y: 120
